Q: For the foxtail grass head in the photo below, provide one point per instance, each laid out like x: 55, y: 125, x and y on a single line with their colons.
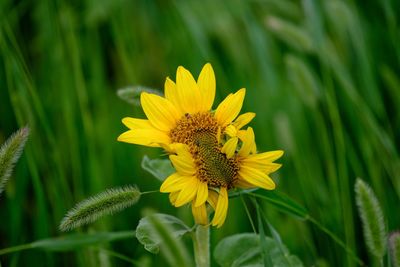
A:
x: 372, y: 219
x: 394, y: 248
x: 105, y: 203
x: 209, y: 149
x: 10, y: 152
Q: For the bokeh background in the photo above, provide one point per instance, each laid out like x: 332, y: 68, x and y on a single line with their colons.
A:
x: 322, y: 76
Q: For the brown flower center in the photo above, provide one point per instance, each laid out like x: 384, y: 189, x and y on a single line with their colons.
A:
x: 200, y: 132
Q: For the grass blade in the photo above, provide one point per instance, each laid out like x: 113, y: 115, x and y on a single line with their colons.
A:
x: 281, y: 202
x: 71, y: 242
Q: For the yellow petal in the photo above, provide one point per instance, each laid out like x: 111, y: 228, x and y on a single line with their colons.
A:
x: 219, y: 134
x: 174, y: 182
x: 202, y: 194
x: 188, y: 192
x: 243, y: 119
x: 229, y: 147
x: 228, y: 110
x: 241, y: 134
x: 161, y: 112
x: 200, y: 214
x: 173, y: 196
x: 243, y: 184
x: 133, y: 123
x: 265, y: 166
x: 182, y: 150
x: 222, y: 208
x: 256, y: 177
x: 183, y: 164
x: 248, y: 143
x: 212, y: 198
x: 267, y: 156
x: 145, y: 137
x: 171, y: 94
x: 206, y: 84
x: 231, y: 130
x: 188, y: 91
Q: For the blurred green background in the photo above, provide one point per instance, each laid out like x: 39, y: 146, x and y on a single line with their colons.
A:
x: 322, y: 77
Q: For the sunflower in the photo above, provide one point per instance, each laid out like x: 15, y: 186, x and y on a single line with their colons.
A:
x: 209, y: 149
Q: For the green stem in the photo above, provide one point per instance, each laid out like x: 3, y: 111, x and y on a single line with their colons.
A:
x: 201, y: 243
x: 15, y: 249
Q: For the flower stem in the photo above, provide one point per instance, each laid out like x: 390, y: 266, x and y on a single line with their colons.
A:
x: 201, y: 244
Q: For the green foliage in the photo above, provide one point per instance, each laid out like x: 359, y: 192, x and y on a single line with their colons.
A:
x: 61, y: 63
x: 245, y: 250
x: 71, y: 242
x: 105, y: 203
x: 394, y: 245
x: 10, y: 152
x: 163, y: 231
x: 372, y: 219
x: 159, y: 168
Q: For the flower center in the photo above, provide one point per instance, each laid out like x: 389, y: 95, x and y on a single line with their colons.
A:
x: 200, y: 132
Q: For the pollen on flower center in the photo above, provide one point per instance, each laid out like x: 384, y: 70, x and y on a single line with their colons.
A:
x: 200, y: 132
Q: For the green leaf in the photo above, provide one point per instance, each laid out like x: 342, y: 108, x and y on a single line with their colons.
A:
x: 131, y: 94
x: 148, y: 236
x: 264, y: 245
x: 71, y: 242
x: 163, y: 231
x: 282, y: 202
x: 105, y: 203
x: 245, y: 250
x: 159, y: 168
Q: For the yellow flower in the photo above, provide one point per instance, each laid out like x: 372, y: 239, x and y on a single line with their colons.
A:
x: 209, y: 149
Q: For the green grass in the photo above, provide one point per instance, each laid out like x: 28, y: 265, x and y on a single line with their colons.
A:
x: 322, y: 77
